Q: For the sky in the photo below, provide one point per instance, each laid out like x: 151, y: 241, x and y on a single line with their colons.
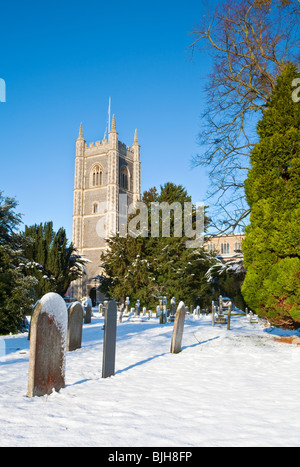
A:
x: 62, y: 60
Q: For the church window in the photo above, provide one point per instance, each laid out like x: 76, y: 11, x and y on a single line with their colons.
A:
x: 97, y: 176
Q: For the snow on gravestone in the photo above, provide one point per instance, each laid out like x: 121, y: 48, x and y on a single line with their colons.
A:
x: 48, y: 338
x: 75, y: 321
x: 178, y: 329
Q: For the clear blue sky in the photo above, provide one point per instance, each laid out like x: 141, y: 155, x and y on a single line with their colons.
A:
x: 61, y: 60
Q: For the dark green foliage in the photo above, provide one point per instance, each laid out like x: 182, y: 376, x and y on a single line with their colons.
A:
x: 51, y: 259
x: 146, y: 268
x: 272, y: 245
x: 16, y: 290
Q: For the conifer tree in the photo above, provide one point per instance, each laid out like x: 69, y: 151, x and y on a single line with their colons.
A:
x: 50, y: 258
x: 146, y: 268
x: 272, y: 245
x: 16, y: 290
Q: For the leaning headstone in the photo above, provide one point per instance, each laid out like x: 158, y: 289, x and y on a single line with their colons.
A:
x: 110, y: 336
x: 178, y: 329
x: 229, y: 317
x: 75, y: 319
x: 173, y: 310
x: 48, y: 338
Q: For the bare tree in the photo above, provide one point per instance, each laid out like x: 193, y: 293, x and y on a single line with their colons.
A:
x: 249, y: 41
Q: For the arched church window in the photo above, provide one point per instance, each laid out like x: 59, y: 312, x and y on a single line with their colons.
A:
x: 97, y: 176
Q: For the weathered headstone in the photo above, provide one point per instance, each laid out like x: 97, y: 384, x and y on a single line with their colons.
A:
x: 110, y: 336
x: 48, y: 338
x: 178, y: 329
x: 75, y: 320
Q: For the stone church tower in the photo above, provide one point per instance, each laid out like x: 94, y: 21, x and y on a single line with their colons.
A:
x: 103, y: 171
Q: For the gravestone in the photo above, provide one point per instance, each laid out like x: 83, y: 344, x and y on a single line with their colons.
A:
x: 178, y: 329
x: 127, y: 303
x: 138, y: 308
x: 87, y: 304
x: 173, y: 310
x: 109, y: 343
x: 253, y: 318
x: 75, y: 320
x: 48, y: 338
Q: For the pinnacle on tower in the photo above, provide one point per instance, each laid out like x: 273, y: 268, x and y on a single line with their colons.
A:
x: 135, y: 137
x: 113, y: 125
x: 80, y: 136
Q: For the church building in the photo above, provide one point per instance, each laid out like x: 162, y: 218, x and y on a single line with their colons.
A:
x: 105, y: 173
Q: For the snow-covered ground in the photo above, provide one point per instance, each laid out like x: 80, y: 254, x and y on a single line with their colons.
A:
x: 226, y: 388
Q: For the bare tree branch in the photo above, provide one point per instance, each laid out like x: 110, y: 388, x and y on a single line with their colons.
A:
x: 250, y: 41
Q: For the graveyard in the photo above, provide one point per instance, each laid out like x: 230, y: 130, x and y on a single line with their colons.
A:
x: 183, y: 382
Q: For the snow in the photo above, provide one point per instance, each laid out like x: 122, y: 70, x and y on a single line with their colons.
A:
x: 55, y: 306
x: 226, y: 388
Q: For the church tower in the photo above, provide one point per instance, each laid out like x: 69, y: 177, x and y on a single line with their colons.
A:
x: 106, y: 174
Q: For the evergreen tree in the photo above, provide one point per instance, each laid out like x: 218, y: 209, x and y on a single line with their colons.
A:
x: 272, y: 245
x: 146, y: 268
x: 16, y: 290
x: 51, y: 259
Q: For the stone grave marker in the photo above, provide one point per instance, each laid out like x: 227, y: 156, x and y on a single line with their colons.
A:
x: 229, y: 317
x: 178, y: 329
x: 87, y: 304
x: 213, y: 311
x: 138, y: 308
x: 109, y: 343
x: 48, y: 338
x: 75, y: 320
